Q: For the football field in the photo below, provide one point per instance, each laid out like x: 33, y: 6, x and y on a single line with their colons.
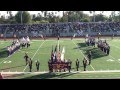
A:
x: 76, y: 48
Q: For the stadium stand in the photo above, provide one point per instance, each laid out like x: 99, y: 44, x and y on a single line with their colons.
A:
x: 62, y: 29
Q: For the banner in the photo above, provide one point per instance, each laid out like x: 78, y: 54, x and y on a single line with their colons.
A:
x: 60, y: 66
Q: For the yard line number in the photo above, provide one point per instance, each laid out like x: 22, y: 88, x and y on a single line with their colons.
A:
x: 111, y: 60
x: 7, y: 61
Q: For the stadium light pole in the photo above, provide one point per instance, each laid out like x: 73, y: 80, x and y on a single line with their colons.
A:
x: 21, y: 16
x: 94, y: 15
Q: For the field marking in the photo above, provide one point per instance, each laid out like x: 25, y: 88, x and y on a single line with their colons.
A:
x: 83, y: 55
x: 111, y: 60
x: 112, y: 56
x: 1, y: 43
x: 9, y: 56
x: 41, y: 40
x: 98, y: 71
x: 92, y: 67
x: 115, y: 46
x: 118, y: 59
x: 31, y: 42
x: 7, y: 61
x: 24, y: 51
x: 34, y: 54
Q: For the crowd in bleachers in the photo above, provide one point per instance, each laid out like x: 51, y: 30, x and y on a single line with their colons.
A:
x: 56, y: 28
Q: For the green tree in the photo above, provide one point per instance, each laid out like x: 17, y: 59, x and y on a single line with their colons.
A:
x: 33, y: 16
x: 45, y: 15
x: 94, y: 16
x: 2, y: 20
x: 64, y: 18
x: 10, y: 14
x: 99, y: 17
x: 26, y: 17
x: 85, y: 20
x: 113, y: 15
x: 37, y: 18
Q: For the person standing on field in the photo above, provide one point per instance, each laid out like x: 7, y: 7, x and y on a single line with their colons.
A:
x: 77, y: 64
x: 30, y: 65
x: 37, y: 65
x: 26, y: 58
x: 84, y: 63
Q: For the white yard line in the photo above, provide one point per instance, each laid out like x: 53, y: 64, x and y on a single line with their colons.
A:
x: 92, y: 67
x: 98, y: 71
x: 34, y: 54
x: 83, y: 55
x: 111, y: 57
x: 41, y: 40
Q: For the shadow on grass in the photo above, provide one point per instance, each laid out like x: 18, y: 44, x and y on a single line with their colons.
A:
x: 3, y: 53
x: 13, y: 67
x: 81, y: 45
x: 96, y: 52
x: 13, y: 76
x: 49, y: 76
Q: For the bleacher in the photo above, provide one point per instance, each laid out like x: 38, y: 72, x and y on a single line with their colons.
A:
x: 62, y: 29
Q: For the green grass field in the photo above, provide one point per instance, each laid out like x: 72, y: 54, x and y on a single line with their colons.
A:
x: 41, y: 50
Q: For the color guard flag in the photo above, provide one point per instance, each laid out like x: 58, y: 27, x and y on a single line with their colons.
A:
x: 52, y: 54
x: 62, y: 54
x: 41, y: 36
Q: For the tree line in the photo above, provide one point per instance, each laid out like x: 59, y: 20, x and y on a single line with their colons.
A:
x: 50, y: 17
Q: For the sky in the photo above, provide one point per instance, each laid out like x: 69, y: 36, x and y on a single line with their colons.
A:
x: 107, y: 13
